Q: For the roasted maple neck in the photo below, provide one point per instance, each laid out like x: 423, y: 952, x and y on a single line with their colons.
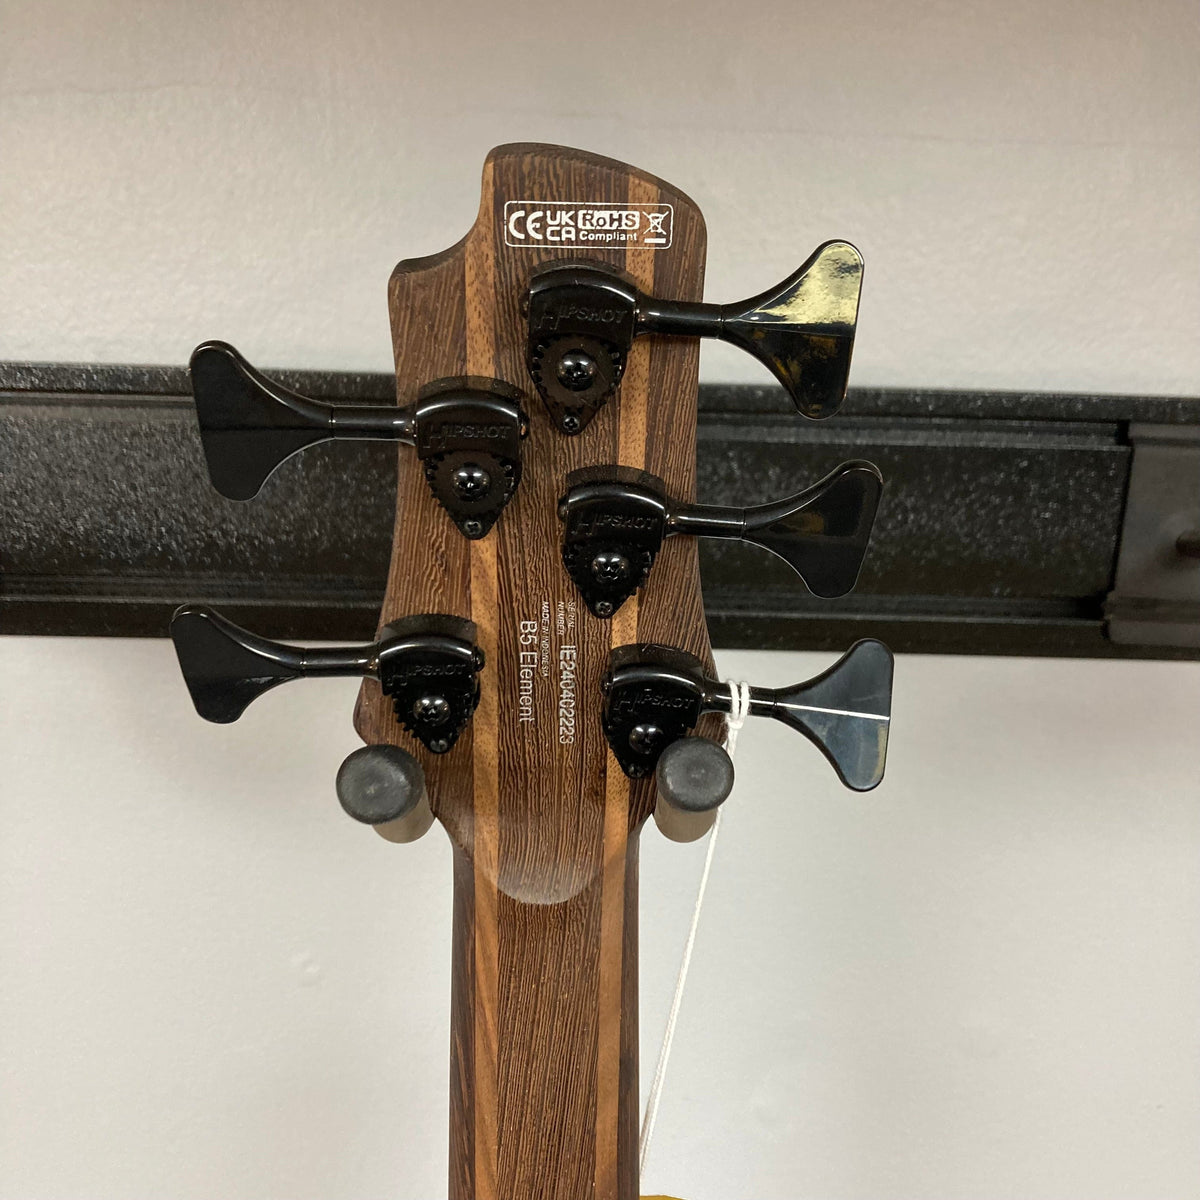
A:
x: 544, y: 1062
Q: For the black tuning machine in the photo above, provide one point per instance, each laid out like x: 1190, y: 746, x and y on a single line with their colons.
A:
x: 583, y: 317
x: 615, y: 520
x: 467, y: 432
x: 654, y: 696
x: 428, y: 665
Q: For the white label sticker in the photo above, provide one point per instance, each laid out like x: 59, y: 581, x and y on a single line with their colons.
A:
x: 549, y: 223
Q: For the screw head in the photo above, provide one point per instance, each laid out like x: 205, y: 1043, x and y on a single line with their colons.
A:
x: 576, y: 370
x: 431, y: 710
x: 439, y: 745
x: 603, y: 608
x: 645, y: 738
x: 570, y: 423
x: 610, y: 566
x: 1187, y: 545
x: 471, y: 481
x: 472, y: 528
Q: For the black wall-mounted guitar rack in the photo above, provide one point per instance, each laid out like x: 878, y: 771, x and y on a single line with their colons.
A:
x: 1011, y: 523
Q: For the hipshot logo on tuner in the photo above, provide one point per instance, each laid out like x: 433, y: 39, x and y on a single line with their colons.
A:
x: 550, y: 223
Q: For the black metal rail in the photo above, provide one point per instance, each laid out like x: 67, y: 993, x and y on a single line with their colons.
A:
x: 998, y: 532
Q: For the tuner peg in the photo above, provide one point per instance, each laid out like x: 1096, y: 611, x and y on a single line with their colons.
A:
x: 428, y: 665
x: 694, y: 777
x: 615, y: 520
x: 654, y: 695
x: 467, y: 432
x: 583, y: 317
x: 384, y: 786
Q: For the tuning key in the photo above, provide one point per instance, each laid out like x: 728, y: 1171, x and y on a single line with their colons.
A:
x: 583, y: 317
x: 428, y: 665
x: 467, y: 432
x: 615, y: 520
x: 654, y: 695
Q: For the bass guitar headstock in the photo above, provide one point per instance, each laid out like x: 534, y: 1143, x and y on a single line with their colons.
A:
x: 542, y: 680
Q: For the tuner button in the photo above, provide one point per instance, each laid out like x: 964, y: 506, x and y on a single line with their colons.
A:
x: 822, y: 533
x: 250, y: 425
x: 384, y: 786
x: 802, y: 330
x: 226, y: 667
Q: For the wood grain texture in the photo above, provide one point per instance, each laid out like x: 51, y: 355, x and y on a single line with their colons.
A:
x: 544, y: 1070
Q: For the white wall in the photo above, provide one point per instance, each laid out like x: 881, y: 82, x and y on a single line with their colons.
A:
x: 979, y: 981
x: 1021, y: 176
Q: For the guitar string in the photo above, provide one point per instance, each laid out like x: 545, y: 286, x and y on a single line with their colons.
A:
x: 739, y: 710
x: 840, y: 712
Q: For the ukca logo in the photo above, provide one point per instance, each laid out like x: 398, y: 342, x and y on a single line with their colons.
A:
x: 549, y: 223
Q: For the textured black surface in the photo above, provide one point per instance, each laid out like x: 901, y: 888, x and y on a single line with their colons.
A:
x: 107, y: 521
x: 997, y: 532
x: 979, y: 521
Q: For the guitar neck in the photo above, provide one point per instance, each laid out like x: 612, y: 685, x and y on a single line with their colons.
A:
x: 544, y: 1033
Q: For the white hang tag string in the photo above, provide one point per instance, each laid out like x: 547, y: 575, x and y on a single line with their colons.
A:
x: 739, y: 710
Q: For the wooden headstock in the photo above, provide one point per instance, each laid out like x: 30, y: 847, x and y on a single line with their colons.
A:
x: 531, y: 673
x: 543, y: 822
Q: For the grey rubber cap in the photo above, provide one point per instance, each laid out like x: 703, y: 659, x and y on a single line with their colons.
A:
x: 694, y: 774
x: 380, y: 783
